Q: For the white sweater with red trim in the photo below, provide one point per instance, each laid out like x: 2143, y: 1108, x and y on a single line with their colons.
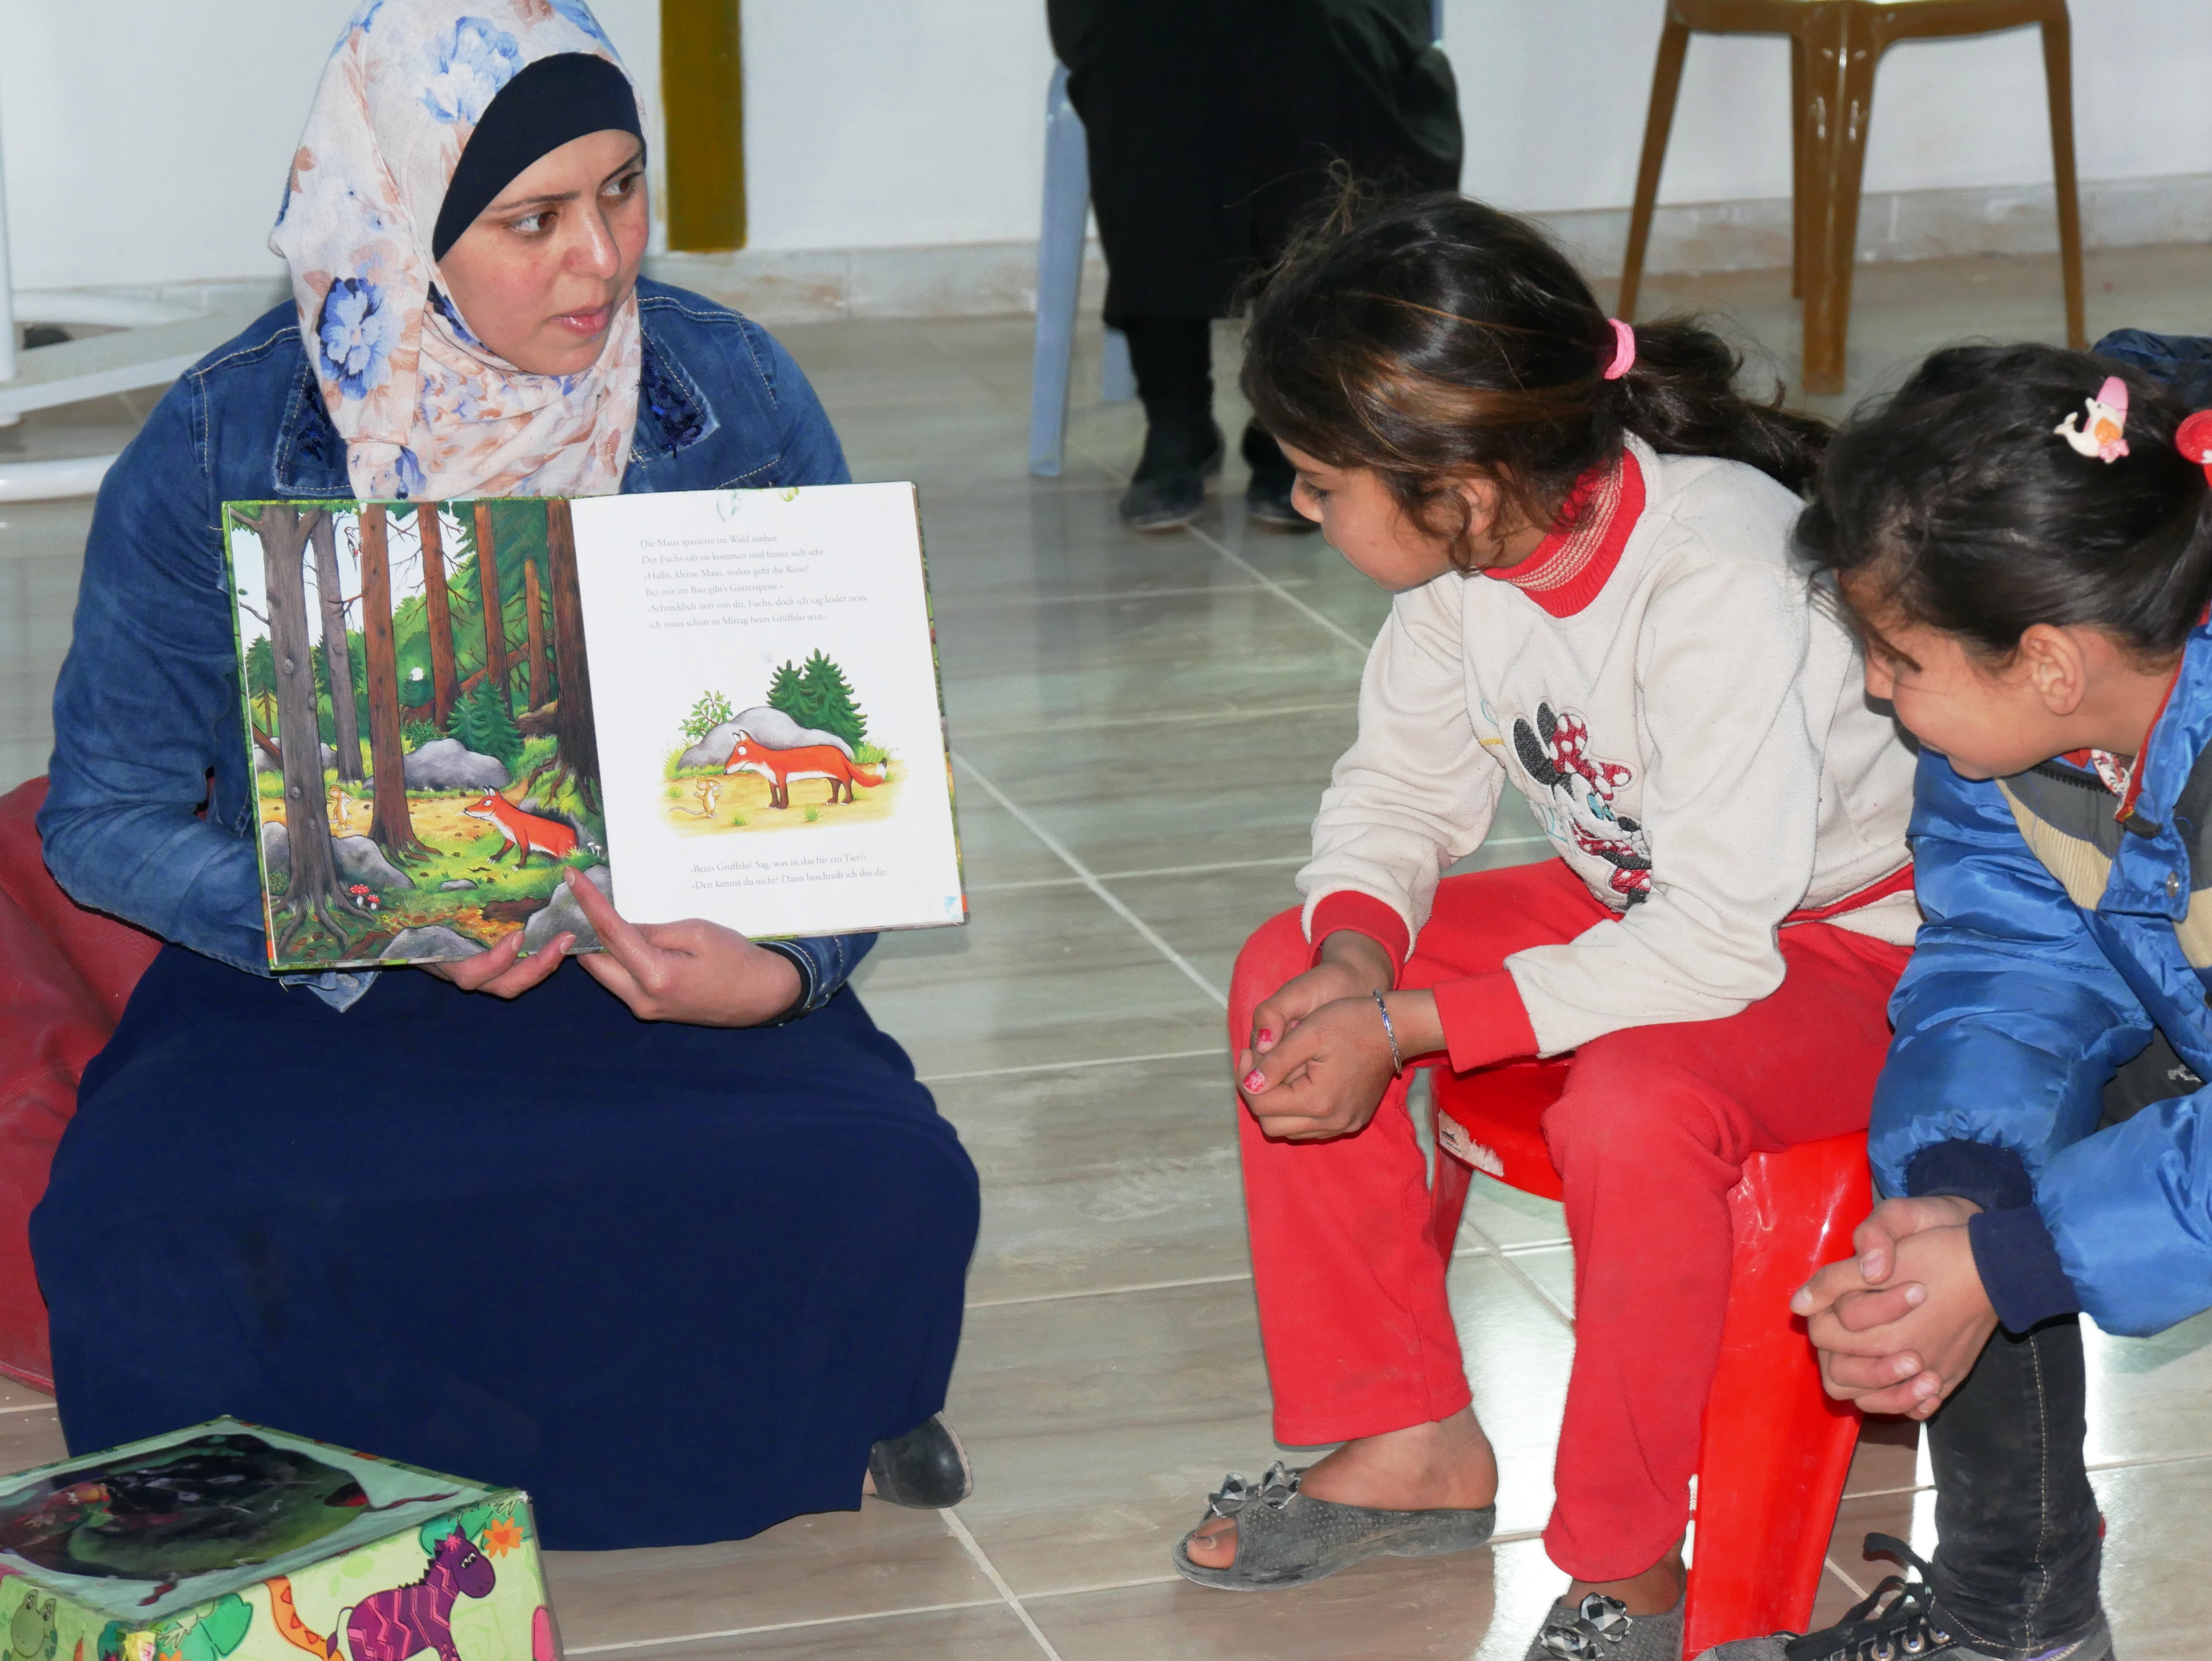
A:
x: 1688, y: 723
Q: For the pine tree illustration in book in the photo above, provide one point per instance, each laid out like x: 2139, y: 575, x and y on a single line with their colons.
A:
x: 720, y: 704
x: 226, y: 1541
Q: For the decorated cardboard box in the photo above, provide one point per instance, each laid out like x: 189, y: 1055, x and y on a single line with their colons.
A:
x: 226, y: 1541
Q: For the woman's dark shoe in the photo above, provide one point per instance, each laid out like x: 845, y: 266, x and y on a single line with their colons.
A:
x: 1268, y: 498
x: 926, y: 1469
x: 1168, y: 490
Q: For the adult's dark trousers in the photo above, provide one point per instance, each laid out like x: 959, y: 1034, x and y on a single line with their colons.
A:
x: 2018, y: 1545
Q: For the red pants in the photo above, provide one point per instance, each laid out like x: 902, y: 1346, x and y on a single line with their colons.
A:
x: 1349, y: 1244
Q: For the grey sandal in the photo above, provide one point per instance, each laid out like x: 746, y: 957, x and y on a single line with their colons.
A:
x: 1602, y: 1627
x: 1286, y: 1538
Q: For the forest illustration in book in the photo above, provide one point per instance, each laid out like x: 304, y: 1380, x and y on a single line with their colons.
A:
x: 420, y: 710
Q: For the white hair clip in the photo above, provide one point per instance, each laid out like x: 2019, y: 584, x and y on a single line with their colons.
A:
x: 2101, y: 433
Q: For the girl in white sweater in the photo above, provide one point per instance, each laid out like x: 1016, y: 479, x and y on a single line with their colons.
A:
x: 1586, y: 529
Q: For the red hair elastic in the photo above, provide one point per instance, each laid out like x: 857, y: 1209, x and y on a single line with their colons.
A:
x: 2193, y: 438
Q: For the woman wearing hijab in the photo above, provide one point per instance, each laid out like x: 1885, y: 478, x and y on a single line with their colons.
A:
x: 669, y: 1236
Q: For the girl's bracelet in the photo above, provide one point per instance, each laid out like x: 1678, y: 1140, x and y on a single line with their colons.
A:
x: 1397, y: 1060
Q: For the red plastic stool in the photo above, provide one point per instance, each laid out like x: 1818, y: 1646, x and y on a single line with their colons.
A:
x: 1775, y: 1449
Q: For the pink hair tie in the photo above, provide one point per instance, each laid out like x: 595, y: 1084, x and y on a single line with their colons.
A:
x: 1624, y: 350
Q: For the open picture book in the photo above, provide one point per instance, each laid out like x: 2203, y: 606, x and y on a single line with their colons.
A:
x: 712, y: 703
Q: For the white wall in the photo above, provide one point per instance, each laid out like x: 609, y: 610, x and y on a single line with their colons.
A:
x: 149, y: 143
x: 1553, y: 95
x: 890, y: 123
x: 876, y: 122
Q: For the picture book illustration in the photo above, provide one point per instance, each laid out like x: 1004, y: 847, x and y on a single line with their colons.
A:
x: 736, y: 770
x: 776, y: 759
x: 207, y: 1504
x: 228, y: 1542
x: 420, y: 710
x: 754, y: 736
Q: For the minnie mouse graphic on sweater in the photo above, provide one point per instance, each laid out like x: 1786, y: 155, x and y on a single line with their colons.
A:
x: 1556, y: 753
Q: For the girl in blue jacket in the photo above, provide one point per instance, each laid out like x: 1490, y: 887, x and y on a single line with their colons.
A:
x: 2024, y: 538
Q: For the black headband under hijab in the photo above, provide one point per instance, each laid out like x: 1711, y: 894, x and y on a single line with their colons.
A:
x: 545, y: 105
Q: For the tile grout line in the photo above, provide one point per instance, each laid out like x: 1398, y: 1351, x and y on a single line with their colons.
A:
x: 959, y: 1531
x: 1360, y: 646
x: 2146, y: 1461
x: 1837, y: 1569
x: 1112, y: 1292
x: 1087, y: 723
x: 1258, y: 576
x: 955, y: 602
x: 1276, y: 859
x: 775, y: 1626
x: 1092, y: 882
x: 1272, y: 861
x: 1488, y: 1248
x: 1520, y: 1274
x: 1061, y: 1066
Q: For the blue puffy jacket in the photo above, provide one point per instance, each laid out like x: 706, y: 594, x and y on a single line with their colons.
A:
x: 2058, y: 939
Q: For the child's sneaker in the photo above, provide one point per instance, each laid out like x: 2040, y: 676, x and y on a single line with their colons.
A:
x: 1900, y: 1620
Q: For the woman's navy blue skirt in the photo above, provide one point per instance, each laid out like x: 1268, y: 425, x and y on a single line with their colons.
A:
x: 672, y: 1280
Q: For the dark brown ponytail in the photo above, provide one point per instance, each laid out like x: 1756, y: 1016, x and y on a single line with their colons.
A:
x: 1432, y: 336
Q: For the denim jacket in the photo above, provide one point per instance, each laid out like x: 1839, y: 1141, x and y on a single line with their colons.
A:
x: 147, y: 711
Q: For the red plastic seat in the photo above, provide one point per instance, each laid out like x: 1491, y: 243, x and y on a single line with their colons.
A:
x: 65, y: 974
x: 1775, y: 1449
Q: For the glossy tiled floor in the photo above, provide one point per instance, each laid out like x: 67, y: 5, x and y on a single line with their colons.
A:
x: 1142, y: 727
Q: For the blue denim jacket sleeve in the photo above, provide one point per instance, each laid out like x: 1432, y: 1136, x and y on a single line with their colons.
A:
x: 146, y: 710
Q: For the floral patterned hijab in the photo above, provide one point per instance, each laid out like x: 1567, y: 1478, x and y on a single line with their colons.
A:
x: 427, y: 410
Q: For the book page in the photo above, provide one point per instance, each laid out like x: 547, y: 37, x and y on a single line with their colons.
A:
x: 414, y: 704
x: 771, y: 748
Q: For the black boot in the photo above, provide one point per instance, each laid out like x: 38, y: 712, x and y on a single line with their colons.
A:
x: 1170, y: 486
x: 1268, y: 498
x: 1173, y: 357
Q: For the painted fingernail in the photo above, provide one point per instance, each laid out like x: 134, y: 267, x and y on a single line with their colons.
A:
x: 1256, y: 1079
x: 1266, y: 1035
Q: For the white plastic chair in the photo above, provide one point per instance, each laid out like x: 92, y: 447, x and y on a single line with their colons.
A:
x: 1060, y: 276
x: 1059, y: 279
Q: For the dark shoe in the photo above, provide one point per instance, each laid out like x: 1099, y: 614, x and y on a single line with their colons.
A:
x: 1601, y: 1625
x: 1901, y: 1619
x: 1168, y: 490
x: 926, y: 1469
x: 1268, y: 498
x: 1284, y: 1539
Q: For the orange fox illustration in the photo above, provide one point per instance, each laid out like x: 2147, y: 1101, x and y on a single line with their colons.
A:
x: 524, y: 831
x: 812, y: 761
